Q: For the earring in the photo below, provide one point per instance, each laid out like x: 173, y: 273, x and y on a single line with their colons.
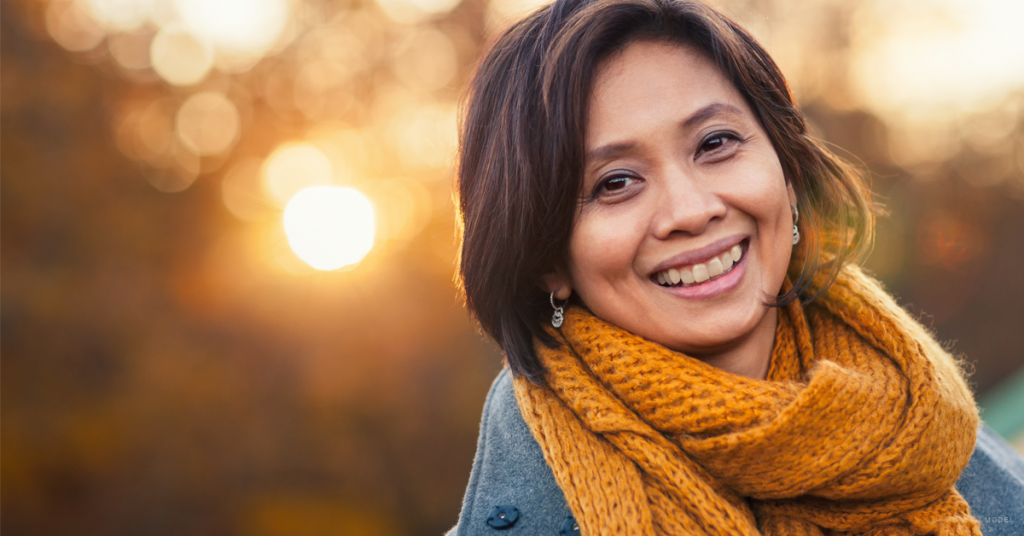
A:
x: 559, y: 316
x: 796, y: 218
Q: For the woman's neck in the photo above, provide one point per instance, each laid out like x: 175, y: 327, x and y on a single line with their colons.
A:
x: 751, y: 355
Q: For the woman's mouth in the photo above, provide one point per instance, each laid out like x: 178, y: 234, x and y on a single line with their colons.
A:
x: 695, y: 274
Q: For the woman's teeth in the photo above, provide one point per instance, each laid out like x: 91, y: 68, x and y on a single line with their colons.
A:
x: 699, y: 273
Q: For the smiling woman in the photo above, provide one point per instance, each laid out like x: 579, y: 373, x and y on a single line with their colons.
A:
x: 647, y: 211
x: 716, y: 362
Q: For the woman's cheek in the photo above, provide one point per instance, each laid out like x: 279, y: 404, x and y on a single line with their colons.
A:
x: 605, y: 243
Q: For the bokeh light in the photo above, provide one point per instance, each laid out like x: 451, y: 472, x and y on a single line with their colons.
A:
x: 329, y: 227
x: 72, y: 26
x: 122, y: 15
x: 179, y: 57
x: 321, y: 90
x: 413, y: 11
x: 175, y: 178
x: 427, y: 136
x: 131, y: 50
x: 192, y: 35
x: 245, y: 28
x: 343, y: 47
x: 949, y: 242
x: 294, y: 167
x: 207, y: 123
x: 426, y: 60
x: 242, y: 191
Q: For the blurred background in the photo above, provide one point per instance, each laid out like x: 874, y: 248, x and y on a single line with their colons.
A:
x: 228, y: 243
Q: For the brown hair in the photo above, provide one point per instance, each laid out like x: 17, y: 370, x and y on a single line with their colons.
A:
x: 522, y: 156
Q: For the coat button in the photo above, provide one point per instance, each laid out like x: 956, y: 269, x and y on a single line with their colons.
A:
x: 502, y: 517
x: 569, y: 527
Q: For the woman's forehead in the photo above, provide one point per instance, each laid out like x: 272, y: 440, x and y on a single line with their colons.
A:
x: 655, y: 82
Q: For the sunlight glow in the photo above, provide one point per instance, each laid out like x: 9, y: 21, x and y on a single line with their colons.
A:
x: 293, y: 167
x: 937, y: 58
x: 236, y: 27
x: 193, y: 34
x: 329, y: 227
x: 404, y: 208
x: 241, y: 191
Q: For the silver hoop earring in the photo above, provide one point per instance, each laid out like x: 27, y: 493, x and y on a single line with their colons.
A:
x: 796, y: 218
x: 559, y: 316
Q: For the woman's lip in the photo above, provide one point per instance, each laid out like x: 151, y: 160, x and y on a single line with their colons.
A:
x: 698, y: 255
x: 711, y: 287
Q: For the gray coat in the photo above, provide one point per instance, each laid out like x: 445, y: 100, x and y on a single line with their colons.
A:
x: 512, y: 490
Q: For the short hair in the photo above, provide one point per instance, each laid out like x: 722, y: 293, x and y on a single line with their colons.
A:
x: 521, y: 156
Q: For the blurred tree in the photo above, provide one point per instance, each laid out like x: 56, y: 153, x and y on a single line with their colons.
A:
x: 142, y: 395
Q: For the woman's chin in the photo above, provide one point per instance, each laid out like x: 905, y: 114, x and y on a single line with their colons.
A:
x: 717, y: 331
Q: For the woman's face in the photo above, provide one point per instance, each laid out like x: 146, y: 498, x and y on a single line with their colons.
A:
x: 684, y: 227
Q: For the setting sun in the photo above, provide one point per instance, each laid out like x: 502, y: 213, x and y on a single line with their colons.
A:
x: 329, y: 227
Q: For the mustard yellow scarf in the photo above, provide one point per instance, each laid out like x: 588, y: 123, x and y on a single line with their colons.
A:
x: 861, y: 427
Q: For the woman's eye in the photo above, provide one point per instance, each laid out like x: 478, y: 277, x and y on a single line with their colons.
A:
x: 615, y: 183
x: 614, y: 186
x: 716, y: 141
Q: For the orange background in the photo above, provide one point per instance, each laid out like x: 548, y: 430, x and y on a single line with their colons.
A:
x: 169, y: 366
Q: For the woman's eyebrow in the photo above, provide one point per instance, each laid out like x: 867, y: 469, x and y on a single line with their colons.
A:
x: 710, y: 111
x: 607, y: 152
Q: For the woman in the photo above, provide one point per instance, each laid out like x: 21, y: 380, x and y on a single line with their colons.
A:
x: 667, y: 260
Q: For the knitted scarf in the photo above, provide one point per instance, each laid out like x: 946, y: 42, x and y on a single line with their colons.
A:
x: 861, y: 427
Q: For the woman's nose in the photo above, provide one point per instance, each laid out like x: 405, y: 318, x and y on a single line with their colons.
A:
x: 686, y: 205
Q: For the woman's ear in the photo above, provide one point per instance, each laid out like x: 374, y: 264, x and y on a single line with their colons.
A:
x: 791, y: 192
x: 559, y: 284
